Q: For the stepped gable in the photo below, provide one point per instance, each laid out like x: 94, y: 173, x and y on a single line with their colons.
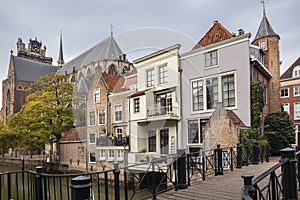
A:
x: 30, y: 70
x: 289, y: 72
x: 74, y: 134
x: 107, y: 49
x: 216, y: 33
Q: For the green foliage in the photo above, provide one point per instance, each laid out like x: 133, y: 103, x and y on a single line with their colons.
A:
x: 46, y: 114
x: 257, y: 104
x: 279, y: 131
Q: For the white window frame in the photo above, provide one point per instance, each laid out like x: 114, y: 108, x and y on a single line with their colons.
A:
x: 102, y: 111
x: 91, y: 137
x: 296, y: 88
x: 210, y: 57
x: 288, y: 92
x: 120, y: 155
x: 102, y: 154
x: 163, y: 74
x: 97, y: 95
x: 117, y: 118
x: 150, y: 78
x: 137, y: 105
x: 296, y: 71
x: 94, y: 157
x: 286, y: 107
x: 90, y: 121
x: 296, y: 112
x: 111, y: 155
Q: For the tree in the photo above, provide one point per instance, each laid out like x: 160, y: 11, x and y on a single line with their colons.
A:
x: 46, y: 114
x: 279, y: 131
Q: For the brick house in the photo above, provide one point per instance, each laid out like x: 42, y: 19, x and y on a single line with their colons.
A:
x: 290, y: 95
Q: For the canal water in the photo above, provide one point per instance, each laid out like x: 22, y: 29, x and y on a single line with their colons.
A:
x: 58, y: 187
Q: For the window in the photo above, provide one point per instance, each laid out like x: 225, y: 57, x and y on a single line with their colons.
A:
x: 97, y: 95
x: 111, y: 154
x: 197, y: 91
x: 101, y: 116
x: 284, y: 92
x: 92, y: 157
x: 163, y: 75
x: 20, y: 87
x: 102, y: 155
x: 150, y: 78
x: 297, y: 91
x: 193, y: 134
x: 136, y: 105
x: 119, y: 134
x: 228, y: 90
x: 211, y: 92
x: 296, y: 71
x: 211, y: 59
x: 297, y: 110
x: 92, y: 138
x: 286, y: 107
x: 120, y: 154
x: 118, y: 113
x: 92, y: 118
x: 263, y: 45
x: 80, y: 151
x: 152, y: 141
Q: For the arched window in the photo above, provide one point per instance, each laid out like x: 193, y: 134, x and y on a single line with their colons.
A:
x: 112, y: 70
x: 20, y: 87
x: 296, y: 71
x: 7, y: 102
x: 80, y: 76
x: 89, y: 72
x: 72, y: 78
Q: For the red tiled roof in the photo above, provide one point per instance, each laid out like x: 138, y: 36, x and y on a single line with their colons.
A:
x: 74, y: 134
x: 235, y: 118
x: 139, y: 93
x: 216, y: 33
x: 111, y: 80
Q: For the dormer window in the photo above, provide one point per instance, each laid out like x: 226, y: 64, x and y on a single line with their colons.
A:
x: 296, y: 71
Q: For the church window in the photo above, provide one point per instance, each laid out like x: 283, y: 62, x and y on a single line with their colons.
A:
x: 20, y: 87
x: 112, y: 70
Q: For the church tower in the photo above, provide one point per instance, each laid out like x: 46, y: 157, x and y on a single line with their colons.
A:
x: 268, y: 41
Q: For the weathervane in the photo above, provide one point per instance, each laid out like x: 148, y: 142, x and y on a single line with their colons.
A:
x: 263, y: 3
x: 111, y: 28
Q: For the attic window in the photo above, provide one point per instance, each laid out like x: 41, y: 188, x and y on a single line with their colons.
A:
x: 296, y: 71
x: 211, y: 58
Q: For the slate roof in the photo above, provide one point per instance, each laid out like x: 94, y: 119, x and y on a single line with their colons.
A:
x: 265, y: 29
x: 30, y: 70
x: 216, y: 33
x: 107, y: 49
x: 74, y: 135
x: 289, y: 72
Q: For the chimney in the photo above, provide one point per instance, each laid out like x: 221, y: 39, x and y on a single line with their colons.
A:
x: 241, y: 31
x: 124, y: 57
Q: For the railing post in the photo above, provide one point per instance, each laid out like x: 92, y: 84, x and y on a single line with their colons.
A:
x: 188, y: 157
x: 239, y: 156
x: 248, y: 189
x: 267, y: 153
x: 262, y: 154
x: 289, y: 182
x: 255, y: 153
x: 218, y: 161
x: 203, y: 165
x: 181, y: 168
x: 38, y: 183
x: 117, y: 180
x: 247, y: 156
x: 81, y: 188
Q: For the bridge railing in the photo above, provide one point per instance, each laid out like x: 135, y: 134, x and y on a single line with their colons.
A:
x: 278, y: 182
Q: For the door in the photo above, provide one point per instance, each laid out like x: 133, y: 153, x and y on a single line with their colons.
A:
x: 164, y: 141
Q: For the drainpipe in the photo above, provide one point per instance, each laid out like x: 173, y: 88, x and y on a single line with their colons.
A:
x: 180, y: 103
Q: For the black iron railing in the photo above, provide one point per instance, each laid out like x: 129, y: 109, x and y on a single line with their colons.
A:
x: 278, y: 182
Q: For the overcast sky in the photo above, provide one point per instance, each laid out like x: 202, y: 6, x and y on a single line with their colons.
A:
x: 139, y: 25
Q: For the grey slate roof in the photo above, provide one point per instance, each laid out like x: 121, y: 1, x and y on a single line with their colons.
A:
x: 107, y: 49
x: 265, y: 28
x: 30, y: 70
x: 289, y: 72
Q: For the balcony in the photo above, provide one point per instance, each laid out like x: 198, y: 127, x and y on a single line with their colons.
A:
x: 163, y: 111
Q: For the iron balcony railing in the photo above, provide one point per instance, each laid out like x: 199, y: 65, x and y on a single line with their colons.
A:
x: 158, y: 110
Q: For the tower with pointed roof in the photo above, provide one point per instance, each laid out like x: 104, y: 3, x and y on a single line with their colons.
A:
x: 60, y: 61
x: 268, y: 41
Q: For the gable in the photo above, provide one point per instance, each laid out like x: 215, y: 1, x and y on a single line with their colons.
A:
x: 216, y: 33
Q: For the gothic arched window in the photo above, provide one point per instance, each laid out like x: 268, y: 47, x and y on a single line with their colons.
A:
x: 20, y: 87
x: 112, y: 70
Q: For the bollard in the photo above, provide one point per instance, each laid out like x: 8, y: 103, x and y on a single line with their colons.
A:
x: 38, y: 183
x: 181, y: 164
x: 255, y: 153
x: 267, y: 153
x: 117, y: 180
x: 239, y: 156
x: 248, y: 189
x: 81, y: 188
x: 289, y: 182
x: 218, y: 160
